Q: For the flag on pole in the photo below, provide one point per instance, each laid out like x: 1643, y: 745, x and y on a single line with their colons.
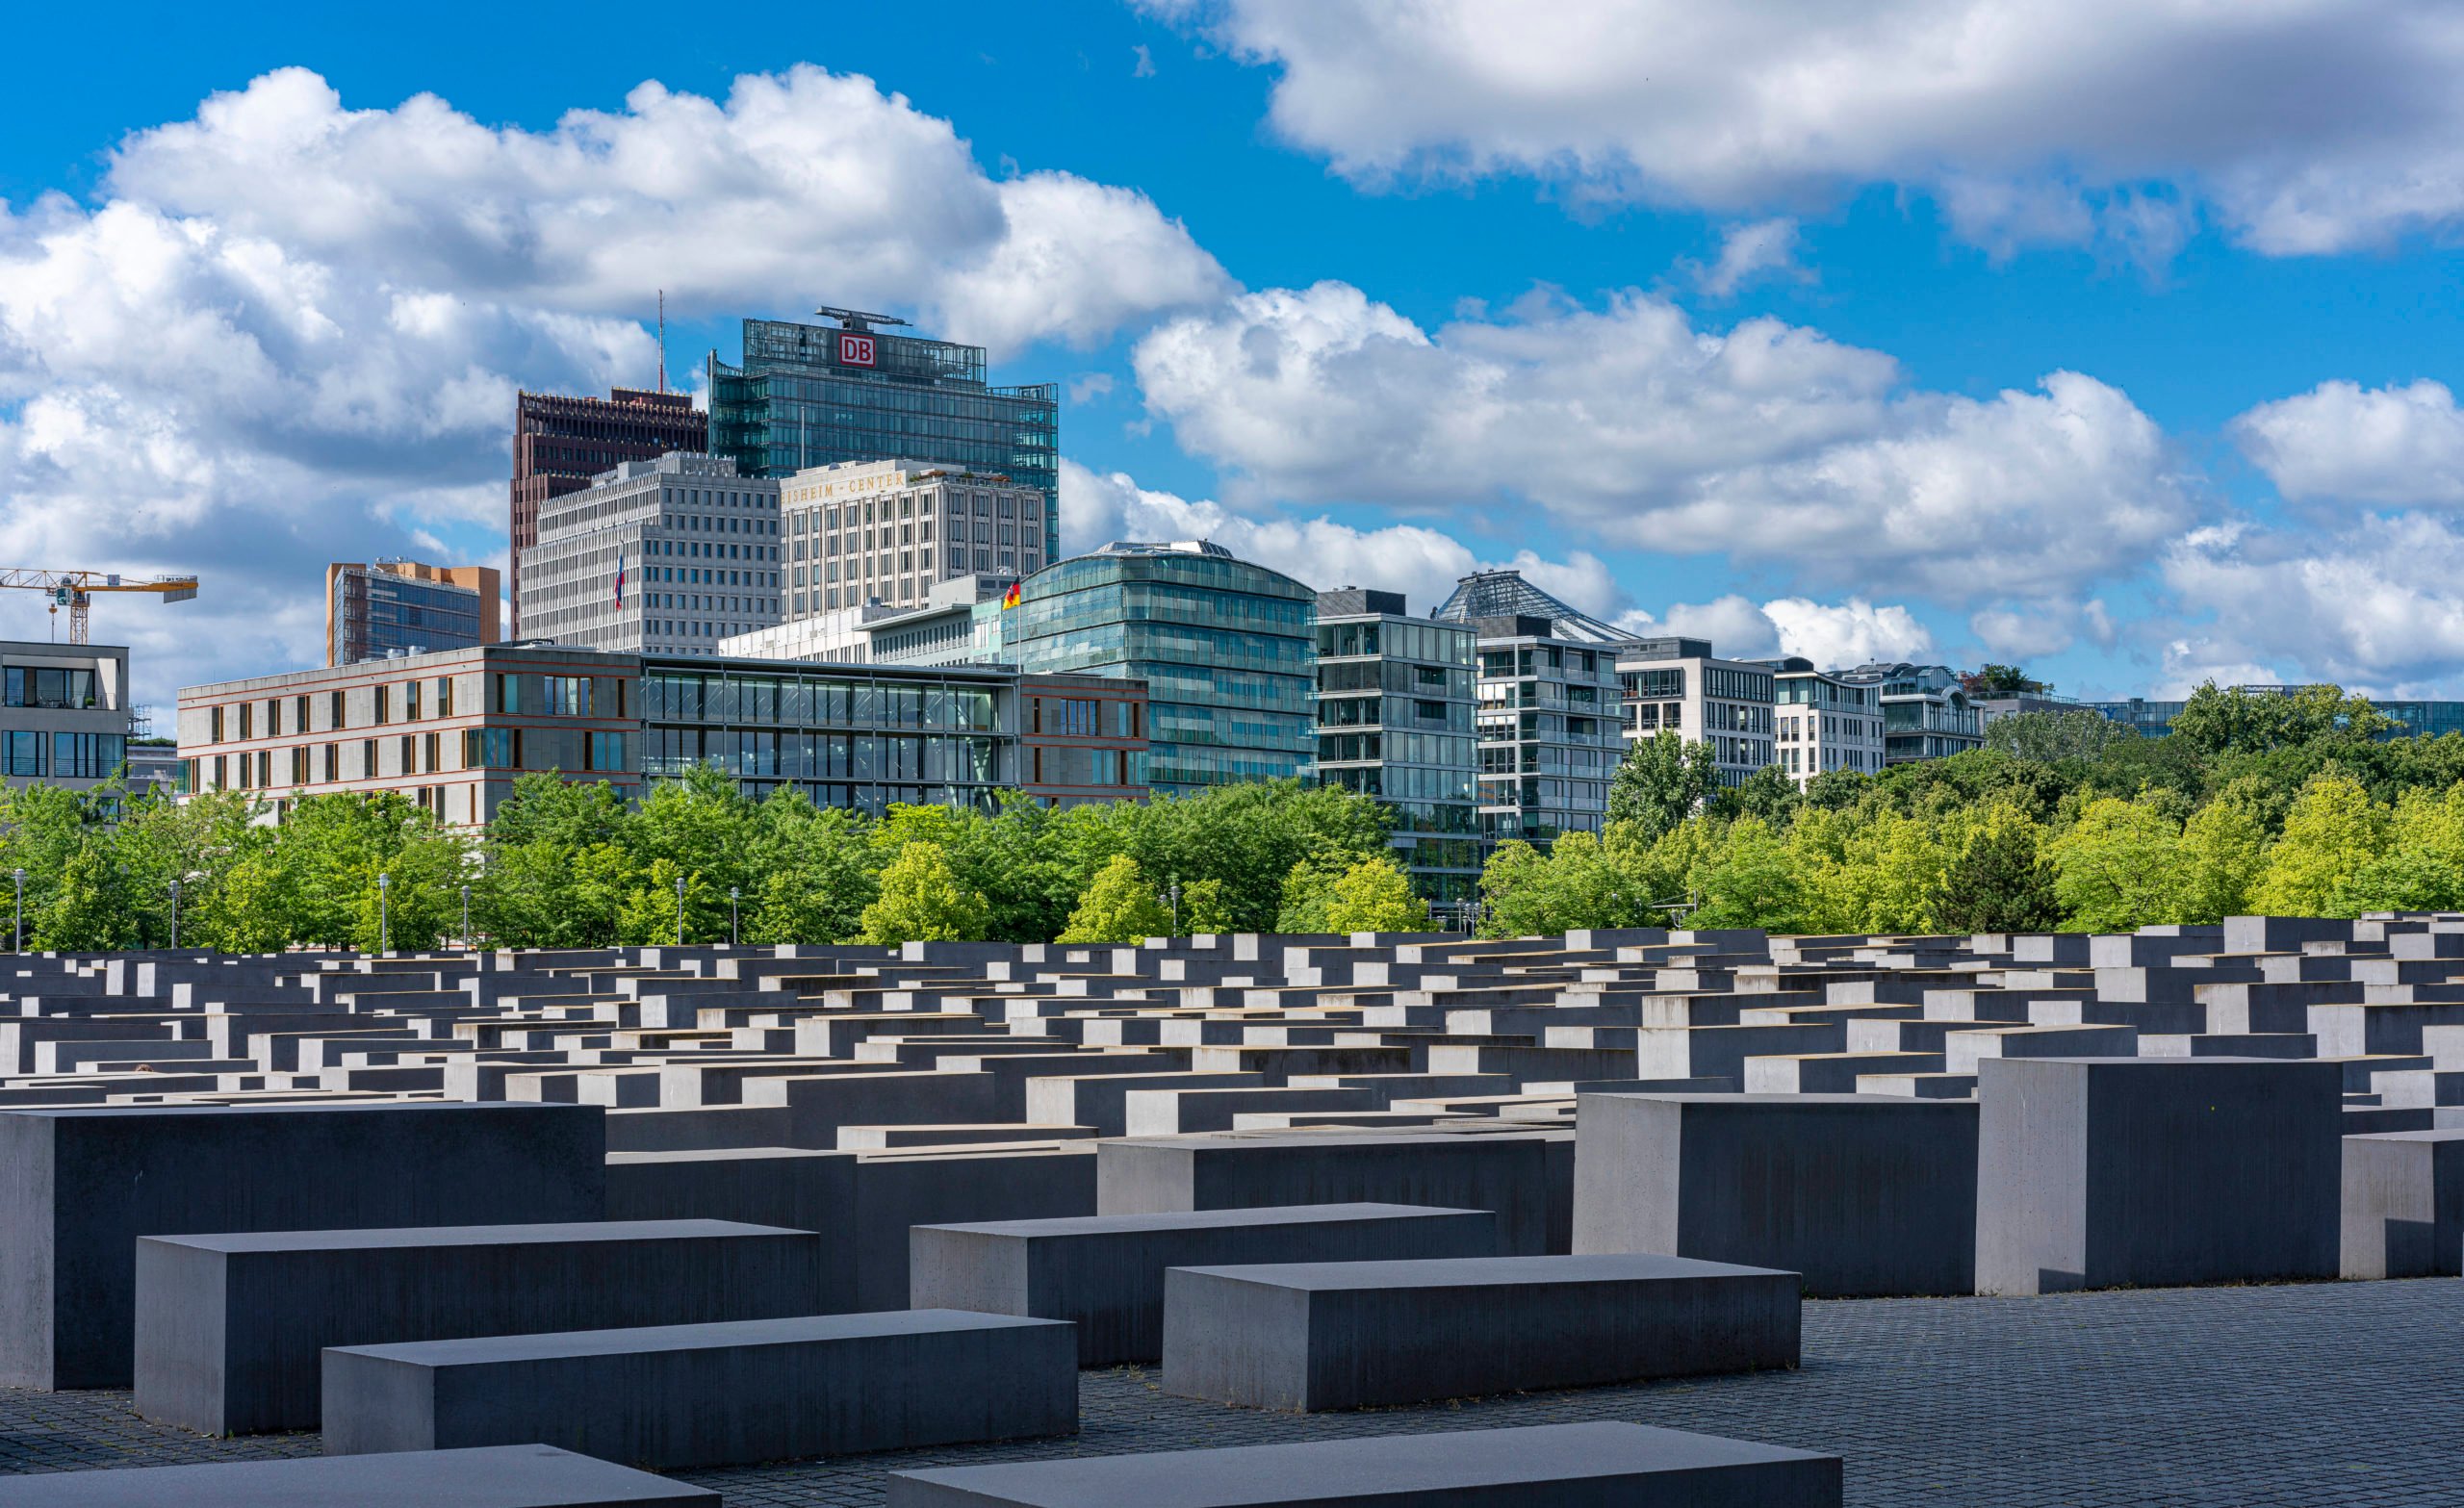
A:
x: 1010, y: 598
x: 620, y: 575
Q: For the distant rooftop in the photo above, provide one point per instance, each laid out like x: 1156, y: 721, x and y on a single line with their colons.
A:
x: 1505, y: 594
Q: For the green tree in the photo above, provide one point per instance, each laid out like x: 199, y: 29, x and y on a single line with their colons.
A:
x: 2422, y: 868
x: 1660, y: 783
x: 2216, y: 722
x: 1119, y: 906
x: 2224, y: 846
x: 2001, y: 680
x: 650, y: 912
x: 2120, y: 866
x: 1375, y: 895
x: 1769, y: 795
x: 921, y: 901
x: 1750, y: 881
x: 87, y: 908
x: 1203, y: 908
x: 1308, y: 893
x: 1999, y: 883
x: 2048, y: 738
x: 2333, y: 833
x: 818, y: 871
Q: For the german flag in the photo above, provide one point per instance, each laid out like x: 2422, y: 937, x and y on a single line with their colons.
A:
x: 1010, y: 598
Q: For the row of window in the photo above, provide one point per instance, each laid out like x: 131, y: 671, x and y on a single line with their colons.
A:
x: 303, y: 766
x: 62, y: 756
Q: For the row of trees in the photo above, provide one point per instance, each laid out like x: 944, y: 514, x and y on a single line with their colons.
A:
x: 570, y: 865
x: 2288, y: 805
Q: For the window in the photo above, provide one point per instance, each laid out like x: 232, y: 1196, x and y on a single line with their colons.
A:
x: 445, y: 696
x: 410, y: 756
x: 410, y: 702
x: 488, y: 747
x: 384, y: 702
x: 368, y: 759
x: 214, y: 718
x: 299, y: 712
x: 248, y: 720
x: 333, y: 763
x: 336, y: 711
x: 567, y: 695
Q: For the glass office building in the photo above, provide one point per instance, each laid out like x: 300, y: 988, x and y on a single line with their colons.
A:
x: 1394, y: 722
x: 1226, y: 649
x: 404, y: 608
x: 809, y: 395
x: 2155, y: 719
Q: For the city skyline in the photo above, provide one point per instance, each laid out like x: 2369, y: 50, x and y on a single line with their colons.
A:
x: 2131, y: 398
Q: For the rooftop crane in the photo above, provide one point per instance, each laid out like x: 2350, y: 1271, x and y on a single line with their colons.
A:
x: 75, y: 589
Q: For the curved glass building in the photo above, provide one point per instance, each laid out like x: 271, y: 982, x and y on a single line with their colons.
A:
x: 1227, y: 650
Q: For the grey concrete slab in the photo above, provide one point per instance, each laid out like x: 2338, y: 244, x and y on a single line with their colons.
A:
x: 1560, y: 1466
x: 78, y: 1186
x: 1345, y: 1335
x: 229, y: 1327
x: 2152, y: 1172
x: 503, y: 1476
x: 1105, y: 1274
x: 714, y: 1394
x: 1864, y: 1194
x: 1518, y: 1174
x: 2403, y: 1205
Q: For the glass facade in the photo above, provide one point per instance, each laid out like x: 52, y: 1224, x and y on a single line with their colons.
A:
x: 848, y: 738
x: 1550, y: 735
x: 1226, y: 649
x: 2155, y: 719
x: 1394, y: 721
x: 808, y: 395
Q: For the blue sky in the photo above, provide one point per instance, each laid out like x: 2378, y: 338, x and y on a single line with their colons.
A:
x: 1372, y: 290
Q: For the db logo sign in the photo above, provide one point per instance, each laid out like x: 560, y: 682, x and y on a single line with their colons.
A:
x: 855, y: 350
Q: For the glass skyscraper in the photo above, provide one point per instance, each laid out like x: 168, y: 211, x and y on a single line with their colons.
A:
x: 403, y: 607
x: 1227, y: 651
x: 809, y: 395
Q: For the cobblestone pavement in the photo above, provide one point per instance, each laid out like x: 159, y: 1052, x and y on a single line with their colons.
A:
x: 2303, y: 1394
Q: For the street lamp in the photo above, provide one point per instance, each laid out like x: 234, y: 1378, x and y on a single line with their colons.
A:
x: 384, y: 931
x: 175, y: 916
x: 1176, y: 906
x: 732, y: 895
x: 19, y: 945
x: 466, y: 918
x: 679, y: 911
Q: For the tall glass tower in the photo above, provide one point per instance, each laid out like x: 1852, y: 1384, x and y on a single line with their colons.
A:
x: 810, y: 395
x: 1227, y: 651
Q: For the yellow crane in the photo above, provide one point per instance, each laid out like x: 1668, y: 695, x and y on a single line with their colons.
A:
x: 74, y: 590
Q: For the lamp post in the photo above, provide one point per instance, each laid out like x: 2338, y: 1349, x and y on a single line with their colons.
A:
x: 384, y: 928
x: 175, y: 916
x: 1176, y: 906
x: 19, y: 945
x: 732, y: 892
x: 679, y: 911
x: 466, y: 918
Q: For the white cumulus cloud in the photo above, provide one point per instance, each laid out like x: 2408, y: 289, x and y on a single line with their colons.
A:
x: 2301, y: 125
x: 1766, y: 442
x: 2392, y: 446
x: 2379, y: 606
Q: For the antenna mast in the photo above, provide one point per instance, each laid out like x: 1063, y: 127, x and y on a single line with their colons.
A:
x: 662, y: 340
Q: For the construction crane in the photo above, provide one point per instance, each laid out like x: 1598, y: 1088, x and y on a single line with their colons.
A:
x: 74, y: 590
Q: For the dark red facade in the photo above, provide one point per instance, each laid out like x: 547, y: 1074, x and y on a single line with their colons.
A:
x: 560, y: 443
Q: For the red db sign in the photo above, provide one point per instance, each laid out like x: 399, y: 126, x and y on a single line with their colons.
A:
x: 856, y: 350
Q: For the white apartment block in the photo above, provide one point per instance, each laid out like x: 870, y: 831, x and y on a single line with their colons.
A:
x: 1679, y: 684
x: 697, y: 545
x: 1824, y: 721
x: 887, y: 531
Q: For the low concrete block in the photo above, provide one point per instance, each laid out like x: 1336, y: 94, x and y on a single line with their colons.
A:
x: 1633, y: 1465
x: 501, y: 1476
x: 229, y: 1327
x: 1105, y: 1274
x: 1348, y: 1335
x: 1515, y: 1174
x: 1865, y: 1194
x: 2403, y: 1205
x: 677, y: 1397
x: 2105, y: 1173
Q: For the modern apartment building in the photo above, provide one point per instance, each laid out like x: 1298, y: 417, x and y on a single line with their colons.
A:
x: 1548, y: 713
x: 403, y: 607
x: 1822, y: 721
x: 889, y: 532
x: 663, y: 556
x: 1226, y: 649
x: 450, y: 731
x: 1925, y: 714
x: 453, y: 730
x: 64, y: 713
x: 561, y: 443
x: 808, y: 395
x: 1678, y: 685
x: 1394, y: 722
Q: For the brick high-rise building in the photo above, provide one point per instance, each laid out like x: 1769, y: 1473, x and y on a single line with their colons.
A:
x: 560, y: 443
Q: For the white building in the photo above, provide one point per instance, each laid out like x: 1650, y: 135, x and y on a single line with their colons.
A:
x: 698, y: 548
x: 887, y: 531
x: 1823, y: 721
x: 1679, y: 684
x: 64, y: 713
